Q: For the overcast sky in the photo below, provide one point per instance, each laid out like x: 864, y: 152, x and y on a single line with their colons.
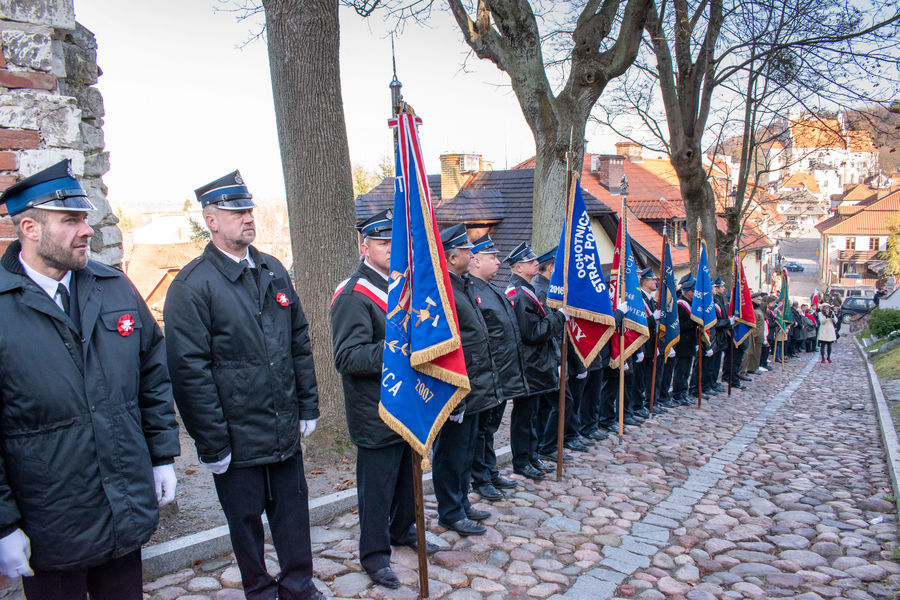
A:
x: 186, y: 103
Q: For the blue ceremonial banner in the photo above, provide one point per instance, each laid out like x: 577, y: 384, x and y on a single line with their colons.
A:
x: 577, y: 283
x: 424, y: 373
x: 703, y: 309
x: 634, y: 320
x: 668, y: 305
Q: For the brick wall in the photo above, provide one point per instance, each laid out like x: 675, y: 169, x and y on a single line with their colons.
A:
x: 50, y: 108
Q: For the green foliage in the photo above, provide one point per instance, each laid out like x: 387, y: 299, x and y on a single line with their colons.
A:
x: 887, y: 365
x: 884, y: 321
x: 893, y: 246
x: 199, y: 233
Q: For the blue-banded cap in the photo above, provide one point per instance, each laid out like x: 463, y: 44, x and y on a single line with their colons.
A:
x: 54, y: 188
x: 484, y: 245
x: 455, y: 237
x: 547, y: 256
x: 521, y: 253
x: 228, y: 192
x: 718, y: 282
x: 648, y: 273
x: 379, y: 226
x: 687, y: 282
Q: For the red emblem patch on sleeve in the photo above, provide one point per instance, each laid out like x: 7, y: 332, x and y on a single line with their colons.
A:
x: 478, y: 299
x: 282, y: 299
x: 126, y: 325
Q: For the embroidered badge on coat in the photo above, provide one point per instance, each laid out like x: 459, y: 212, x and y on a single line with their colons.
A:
x: 282, y: 299
x: 126, y: 325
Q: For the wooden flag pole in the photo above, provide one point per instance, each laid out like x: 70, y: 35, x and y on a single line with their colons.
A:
x: 702, y: 328
x: 662, y: 275
x: 564, y: 352
x: 420, y: 523
x: 735, y: 289
x: 620, y: 281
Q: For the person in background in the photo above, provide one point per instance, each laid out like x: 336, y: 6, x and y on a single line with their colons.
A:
x: 827, y: 331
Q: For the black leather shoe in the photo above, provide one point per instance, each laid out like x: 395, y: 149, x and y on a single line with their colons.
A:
x: 530, y: 472
x: 541, y: 465
x: 429, y: 547
x: 718, y: 386
x: 474, y: 514
x: 598, y: 435
x: 315, y: 594
x: 503, y: 484
x: 385, y: 577
x: 488, y: 492
x: 745, y: 378
x: 659, y: 409
x: 738, y: 385
x: 552, y: 458
x: 664, y: 403
x: 643, y: 413
x: 464, y: 527
x: 575, y: 445
x: 631, y: 421
x: 710, y: 392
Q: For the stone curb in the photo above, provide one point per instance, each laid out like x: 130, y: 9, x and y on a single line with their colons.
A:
x: 886, y: 425
x: 181, y: 553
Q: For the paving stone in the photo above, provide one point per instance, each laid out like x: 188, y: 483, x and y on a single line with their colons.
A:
x: 350, y: 585
x: 744, y: 569
x: 805, y: 558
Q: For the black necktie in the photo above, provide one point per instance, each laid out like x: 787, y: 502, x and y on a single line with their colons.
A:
x: 244, y: 263
x: 63, y: 292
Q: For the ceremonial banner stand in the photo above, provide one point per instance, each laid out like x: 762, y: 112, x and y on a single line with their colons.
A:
x: 620, y: 295
x: 701, y: 329
x: 563, y: 378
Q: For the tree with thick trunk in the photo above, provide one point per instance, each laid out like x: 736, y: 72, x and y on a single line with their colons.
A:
x: 506, y: 33
x: 303, y: 44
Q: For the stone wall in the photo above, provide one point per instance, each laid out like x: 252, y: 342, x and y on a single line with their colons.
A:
x: 50, y: 108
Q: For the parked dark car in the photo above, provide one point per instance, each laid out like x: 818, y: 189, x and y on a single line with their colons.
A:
x: 854, y: 305
x: 793, y: 266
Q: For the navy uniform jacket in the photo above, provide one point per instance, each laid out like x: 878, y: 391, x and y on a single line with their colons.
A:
x: 83, y: 417
x: 242, y: 369
x: 539, y: 330
x: 503, y: 336
x: 357, y: 336
x: 484, y: 392
x: 687, y: 343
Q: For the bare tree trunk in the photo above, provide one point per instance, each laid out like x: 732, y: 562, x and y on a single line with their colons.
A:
x: 303, y: 41
x: 699, y: 204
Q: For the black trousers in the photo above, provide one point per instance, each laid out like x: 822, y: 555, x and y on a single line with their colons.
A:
x: 118, y: 579
x: 451, y: 467
x: 609, y: 401
x: 825, y: 347
x: 764, y: 356
x: 731, y: 368
x: 640, y: 394
x: 484, y: 462
x: 589, y: 406
x: 664, y: 382
x: 521, y: 431
x: 387, y: 514
x: 711, y: 366
x: 681, y: 376
x: 279, y: 489
x: 549, y: 421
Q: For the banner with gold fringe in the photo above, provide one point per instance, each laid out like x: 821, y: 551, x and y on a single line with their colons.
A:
x: 424, y: 373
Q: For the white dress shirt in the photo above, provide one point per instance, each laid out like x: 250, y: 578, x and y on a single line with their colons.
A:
x: 48, y: 284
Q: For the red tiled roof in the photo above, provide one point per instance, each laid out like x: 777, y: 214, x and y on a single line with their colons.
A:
x: 826, y: 133
x: 858, y: 255
x: 802, y: 180
x: 873, y: 218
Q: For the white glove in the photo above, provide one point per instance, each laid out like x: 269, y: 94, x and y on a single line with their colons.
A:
x: 218, y: 467
x: 640, y: 357
x: 696, y: 348
x: 671, y: 352
x: 627, y: 366
x: 731, y: 320
x: 765, y: 343
x: 657, y: 314
x: 307, y: 427
x: 623, y: 306
x: 165, y: 481
x: 457, y: 418
x: 563, y: 313
x: 709, y: 352
x: 15, y: 550
x: 582, y: 375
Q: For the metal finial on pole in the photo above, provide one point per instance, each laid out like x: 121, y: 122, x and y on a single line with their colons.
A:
x: 623, y: 186
x: 396, y: 86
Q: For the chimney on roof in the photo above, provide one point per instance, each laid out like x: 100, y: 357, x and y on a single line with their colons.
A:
x: 609, y: 169
x: 630, y: 149
x: 455, y: 171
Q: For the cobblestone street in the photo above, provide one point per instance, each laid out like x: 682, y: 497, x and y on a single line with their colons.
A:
x: 780, y: 491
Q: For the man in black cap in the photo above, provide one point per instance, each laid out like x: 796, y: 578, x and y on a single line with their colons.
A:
x: 686, y: 347
x: 539, y: 329
x: 88, y: 430
x: 720, y: 337
x: 384, y: 480
x: 245, y: 385
x: 643, y: 371
x: 547, y: 414
x: 454, y: 448
x: 505, y: 341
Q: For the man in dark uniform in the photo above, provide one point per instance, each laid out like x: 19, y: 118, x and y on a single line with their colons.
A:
x: 539, y: 330
x: 505, y: 340
x: 454, y: 448
x: 384, y: 480
x: 245, y: 385
x: 644, y: 369
x: 547, y: 414
x: 721, y: 337
x: 686, y: 347
x: 88, y: 431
